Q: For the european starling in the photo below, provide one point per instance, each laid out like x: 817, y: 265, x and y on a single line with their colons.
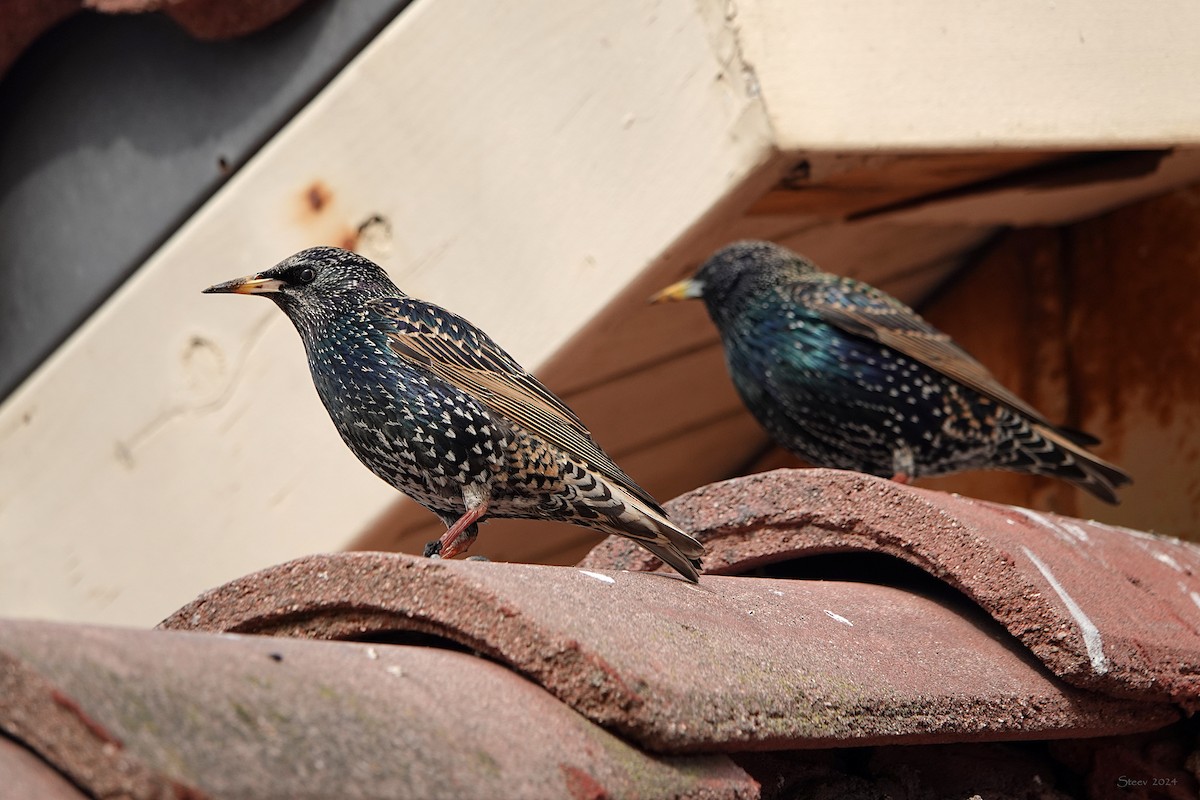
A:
x: 846, y: 376
x: 433, y: 406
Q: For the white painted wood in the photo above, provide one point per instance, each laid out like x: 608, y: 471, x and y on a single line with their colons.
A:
x: 530, y: 158
x: 940, y: 74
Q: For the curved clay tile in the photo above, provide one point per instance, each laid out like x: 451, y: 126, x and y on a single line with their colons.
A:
x: 154, y: 714
x: 734, y: 663
x: 26, y: 20
x: 1110, y: 609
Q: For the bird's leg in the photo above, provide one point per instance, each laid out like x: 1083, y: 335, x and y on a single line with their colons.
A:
x: 459, y: 536
x: 903, y: 464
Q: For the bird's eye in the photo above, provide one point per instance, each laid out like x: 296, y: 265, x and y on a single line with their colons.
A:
x: 307, y: 275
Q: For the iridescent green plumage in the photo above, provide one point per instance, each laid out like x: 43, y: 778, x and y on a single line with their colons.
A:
x: 846, y: 376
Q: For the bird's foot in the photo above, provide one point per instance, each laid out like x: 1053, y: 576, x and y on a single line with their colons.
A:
x: 462, y: 534
x: 456, y: 546
x: 901, y: 477
x: 433, y: 549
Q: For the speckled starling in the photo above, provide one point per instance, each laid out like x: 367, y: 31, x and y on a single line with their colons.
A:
x: 433, y: 406
x: 846, y: 376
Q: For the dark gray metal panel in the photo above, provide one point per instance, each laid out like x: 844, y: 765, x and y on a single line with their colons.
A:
x: 114, y: 129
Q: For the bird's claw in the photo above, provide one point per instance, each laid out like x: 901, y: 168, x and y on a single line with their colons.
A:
x: 433, y: 549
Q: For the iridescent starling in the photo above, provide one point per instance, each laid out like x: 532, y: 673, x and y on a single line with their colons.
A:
x: 433, y: 406
x: 846, y: 376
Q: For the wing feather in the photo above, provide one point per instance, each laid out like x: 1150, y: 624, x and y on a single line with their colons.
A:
x: 864, y: 311
x: 465, y: 357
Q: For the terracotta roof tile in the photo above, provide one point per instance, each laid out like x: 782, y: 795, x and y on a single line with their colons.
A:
x: 26, y: 20
x: 715, y: 675
x: 26, y: 776
x: 752, y: 684
x: 1110, y: 609
x: 735, y: 663
x: 169, y: 714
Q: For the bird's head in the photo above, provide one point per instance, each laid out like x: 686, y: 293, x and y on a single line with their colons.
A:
x: 314, y: 282
x: 736, y: 274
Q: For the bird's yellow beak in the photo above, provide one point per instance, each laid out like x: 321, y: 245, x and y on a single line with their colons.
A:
x: 251, y: 284
x: 684, y: 290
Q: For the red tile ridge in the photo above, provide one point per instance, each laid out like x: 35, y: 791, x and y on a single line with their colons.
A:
x: 1110, y: 609
x: 168, y: 714
x: 734, y: 663
x: 50, y: 722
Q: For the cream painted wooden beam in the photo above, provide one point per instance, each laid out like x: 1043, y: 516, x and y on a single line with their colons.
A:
x: 943, y: 74
x: 528, y: 158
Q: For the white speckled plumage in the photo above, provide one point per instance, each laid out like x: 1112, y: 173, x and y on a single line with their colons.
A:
x: 847, y: 376
x: 433, y: 406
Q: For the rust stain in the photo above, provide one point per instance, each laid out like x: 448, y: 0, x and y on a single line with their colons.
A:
x: 1011, y: 313
x: 581, y: 785
x: 185, y: 792
x: 1097, y: 324
x: 94, y: 727
x: 318, y: 196
x: 1135, y: 278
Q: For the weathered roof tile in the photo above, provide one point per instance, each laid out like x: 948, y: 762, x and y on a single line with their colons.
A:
x: 734, y: 663
x: 26, y: 776
x: 713, y: 673
x: 26, y: 20
x: 167, y: 714
x: 1110, y: 609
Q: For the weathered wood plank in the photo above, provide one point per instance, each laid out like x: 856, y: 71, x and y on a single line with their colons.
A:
x: 1094, y: 324
x: 1054, y: 204
x: 837, y: 185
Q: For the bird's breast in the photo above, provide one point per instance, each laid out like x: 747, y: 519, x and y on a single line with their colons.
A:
x: 409, y: 427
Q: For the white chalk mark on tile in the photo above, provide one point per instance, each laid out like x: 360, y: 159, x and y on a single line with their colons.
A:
x: 838, y: 618
x: 1091, y: 634
x: 1072, y: 534
x: 1166, y: 559
x: 1075, y: 530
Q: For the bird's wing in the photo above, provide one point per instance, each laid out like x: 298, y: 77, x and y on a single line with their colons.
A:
x: 865, y: 311
x: 465, y: 357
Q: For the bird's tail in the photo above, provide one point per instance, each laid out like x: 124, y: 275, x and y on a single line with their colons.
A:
x: 649, y: 526
x: 1064, y: 457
